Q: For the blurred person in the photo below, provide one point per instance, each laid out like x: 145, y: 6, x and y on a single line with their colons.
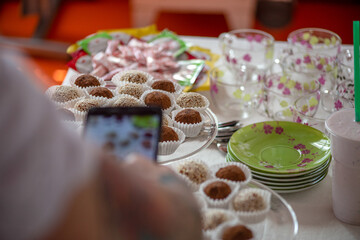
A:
x: 54, y: 185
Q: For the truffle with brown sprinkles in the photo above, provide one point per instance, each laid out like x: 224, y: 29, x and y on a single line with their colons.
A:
x: 159, y: 99
x: 134, y: 77
x: 188, y: 116
x: 164, y: 85
x: 197, y: 172
x: 85, y: 104
x: 232, y: 173
x: 237, y: 232
x: 191, y: 100
x: 168, y: 134
x: 101, y: 92
x: 87, y: 80
x: 132, y: 89
x: 217, y: 190
x: 65, y: 94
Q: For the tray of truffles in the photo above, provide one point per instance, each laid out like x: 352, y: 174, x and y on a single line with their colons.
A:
x: 233, y: 206
x: 189, y: 126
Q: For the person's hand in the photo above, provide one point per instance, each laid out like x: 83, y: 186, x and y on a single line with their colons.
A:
x: 148, y: 201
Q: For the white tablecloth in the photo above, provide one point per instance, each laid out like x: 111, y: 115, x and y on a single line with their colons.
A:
x: 313, y: 207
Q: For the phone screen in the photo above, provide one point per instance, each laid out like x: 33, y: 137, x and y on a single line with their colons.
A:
x: 122, y: 131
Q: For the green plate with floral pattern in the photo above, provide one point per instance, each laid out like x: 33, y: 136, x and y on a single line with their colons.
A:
x: 280, y: 147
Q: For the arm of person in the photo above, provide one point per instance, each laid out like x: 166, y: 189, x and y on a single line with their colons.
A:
x: 133, y: 200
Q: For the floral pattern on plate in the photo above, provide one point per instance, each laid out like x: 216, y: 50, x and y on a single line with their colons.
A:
x: 280, y: 147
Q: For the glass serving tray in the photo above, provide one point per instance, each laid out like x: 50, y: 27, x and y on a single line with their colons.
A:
x: 192, y: 146
x: 281, y: 222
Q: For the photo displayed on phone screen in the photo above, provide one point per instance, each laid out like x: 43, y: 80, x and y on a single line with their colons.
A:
x: 122, y: 131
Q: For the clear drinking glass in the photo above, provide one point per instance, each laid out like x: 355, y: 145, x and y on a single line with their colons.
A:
x: 281, y: 92
x: 345, y: 76
x: 247, y: 53
x: 232, y: 96
x: 316, y: 40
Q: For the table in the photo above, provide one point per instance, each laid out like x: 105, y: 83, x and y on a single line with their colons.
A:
x: 313, y: 207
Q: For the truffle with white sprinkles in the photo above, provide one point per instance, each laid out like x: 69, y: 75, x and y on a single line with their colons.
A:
x: 197, y: 172
x: 65, y: 93
x: 132, y: 89
x: 211, y: 218
x: 249, y: 201
x: 85, y: 104
x: 127, y: 101
x: 134, y: 77
x: 191, y: 100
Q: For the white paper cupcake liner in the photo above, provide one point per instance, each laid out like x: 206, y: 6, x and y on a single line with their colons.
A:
x: 111, y: 103
x: 75, y: 76
x: 246, y: 170
x: 141, y: 86
x: 190, y: 130
x: 193, y: 185
x: 102, y: 99
x: 252, y: 216
x: 218, y: 203
x: 169, y: 120
x: 116, y: 79
x: 68, y: 104
x: 178, y: 87
x: 200, y: 109
x: 229, y: 217
x: 172, y: 99
x: 166, y: 148
x: 220, y: 230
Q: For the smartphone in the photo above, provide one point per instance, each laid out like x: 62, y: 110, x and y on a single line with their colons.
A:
x: 123, y: 130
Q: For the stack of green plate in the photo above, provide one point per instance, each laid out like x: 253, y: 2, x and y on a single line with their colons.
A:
x: 285, y: 156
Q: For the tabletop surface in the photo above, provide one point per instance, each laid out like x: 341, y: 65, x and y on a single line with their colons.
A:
x: 313, y: 207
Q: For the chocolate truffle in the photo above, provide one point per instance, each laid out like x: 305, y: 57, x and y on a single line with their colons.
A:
x: 191, y: 100
x: 197, y: 172
x: 101, y: 92
x: 134, y: 76
x: 164, y: 85
x: 237, y: 232
x: 87, y: 80
x: 217, y: 190
x: 249, y: 201
x: 65, y: 93
x: 232, y: 173
x: 168, y: 134
x: 211, y: 218
x: 188, y: 116
x: 127, y: 101
x: 133, y: 89
x: 158, y: 99
x: 66, y: 114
